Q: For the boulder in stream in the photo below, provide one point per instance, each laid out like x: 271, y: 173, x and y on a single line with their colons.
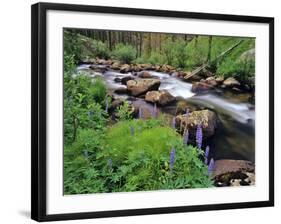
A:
x: 229, y: 172
x: 142, y: 86
x: 231, y: 82
x: 162, y: 97
x: 125, y: 79
x: 201, y: 87
x: 206, y: 118
x: 125, y: 68
x: 145, y: 75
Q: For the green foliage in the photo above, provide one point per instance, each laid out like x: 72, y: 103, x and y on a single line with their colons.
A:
x: 125, y: 53
x: 100, y: 49
x: 122, y: 160
x: 84, y: 100
x: 72, y: 45
x: 156, y: 58
x: 124, y: 112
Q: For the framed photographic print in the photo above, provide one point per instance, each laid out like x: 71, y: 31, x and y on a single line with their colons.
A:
x: 139, y: 111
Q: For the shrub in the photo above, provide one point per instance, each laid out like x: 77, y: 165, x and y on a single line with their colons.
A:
x: 100, y: 49
x: 125, y: 53
x: 156, y: 58
x: 124, y: 112
x: 84, y: 103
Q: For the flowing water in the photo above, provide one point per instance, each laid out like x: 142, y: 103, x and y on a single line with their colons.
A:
x: 235, y: 134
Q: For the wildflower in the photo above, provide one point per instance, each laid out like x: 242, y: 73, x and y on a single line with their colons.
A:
x: 174, y: 122
x: 211, y: 166
x: 109, y: 163
x: 90, y: 114
x: 187, y: 112
x: 106, y: 105
x: 199, y: 136
x: 132, y: 130
x: 207, y: 154
x: 185, y: 137
x: 86, y: 154
x: 154, y: 112
x: 172, y: 158
x: 140, y: 113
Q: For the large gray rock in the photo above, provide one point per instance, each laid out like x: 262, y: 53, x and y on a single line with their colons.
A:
x: 142, y: 86
x: 162, y: 97
x: 206, y: 118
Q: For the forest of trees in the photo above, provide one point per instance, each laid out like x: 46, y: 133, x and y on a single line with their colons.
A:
x: 222, y: 54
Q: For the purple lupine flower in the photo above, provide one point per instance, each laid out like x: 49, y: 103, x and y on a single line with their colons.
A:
x: 174, y: 122
x: 154, y: 112
x: 199, y: 136
x: 90, y: 114
x: 140, y: 113
x: 207, y: 154
x: 187, y: 112
x: 211, y: 166
x: 132, y: 130
x: 85, y: 153
x: 106, y: 105
x: 172, y: 158
x: 185, y: 137
x: 109, y: 163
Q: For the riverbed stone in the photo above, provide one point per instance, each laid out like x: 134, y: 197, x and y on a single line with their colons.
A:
x: 206, y: 118
x: 201, y: 87
x: 162, y: 97
x: 121, y: 90
x: 211, y: 81
x: 116, y: 66
x: 125, y: 79
x: 229, y: 172
x: 142, y: 86
x: 231, y: 82
x: 125, y: 68
x: 145, y: 75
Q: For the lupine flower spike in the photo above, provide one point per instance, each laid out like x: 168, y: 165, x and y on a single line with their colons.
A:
x: 185, y: 137
x: 132, y: 130
x: 106, y: 105
x: 109, y: 163
x: 90, y: 114
x: 199, y: 136
x: 172, y: 158
x: 207, y: 154
x: 211, y: 167
x: 187, y: 112
x: 174, y: 122
x: 154, y: 113
x: 140, y: 113
x: 86, y: 154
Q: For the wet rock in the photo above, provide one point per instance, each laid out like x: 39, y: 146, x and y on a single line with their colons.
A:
x: 206, y: 118
x: 117, y: 79
x: 219, y: 80
x: 125, y: 68
x: 166, y: 68
x: 162, y: 97
x: 145, y: 75
x: 231, y: 82
x: 121, y: 90
x: 142, y: 86
x: 116, y: 66
x: 145, y: 112
x: 226, y: 165
x: 211, y: 81
x: 116, y: 103
x: 125, y: 79
x: 201, y: 87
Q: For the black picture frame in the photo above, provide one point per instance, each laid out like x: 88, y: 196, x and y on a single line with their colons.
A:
x: 39, y: 122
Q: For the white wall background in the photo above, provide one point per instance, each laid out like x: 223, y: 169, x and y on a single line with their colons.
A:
x: 15, y: 110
